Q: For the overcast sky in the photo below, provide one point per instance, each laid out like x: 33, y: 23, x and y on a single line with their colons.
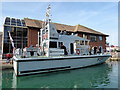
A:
x: 100, y: 16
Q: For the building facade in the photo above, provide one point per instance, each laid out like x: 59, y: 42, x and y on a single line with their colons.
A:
x: 18, y: 32
x: 25, y: 33
x: 0, y: 42
x: 96, y: 38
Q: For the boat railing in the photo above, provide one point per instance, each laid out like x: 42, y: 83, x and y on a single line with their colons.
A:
x: 18, y: 52
x: 56, y: 52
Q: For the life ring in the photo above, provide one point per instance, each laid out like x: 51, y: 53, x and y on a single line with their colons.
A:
x: 77, y: 51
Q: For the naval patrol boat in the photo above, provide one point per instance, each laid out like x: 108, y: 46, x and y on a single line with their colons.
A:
x: 56, y: 52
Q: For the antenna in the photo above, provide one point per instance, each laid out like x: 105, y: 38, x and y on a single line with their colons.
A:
x: 48, y: 14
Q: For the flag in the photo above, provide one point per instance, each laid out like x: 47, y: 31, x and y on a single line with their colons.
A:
x: 11, y: 39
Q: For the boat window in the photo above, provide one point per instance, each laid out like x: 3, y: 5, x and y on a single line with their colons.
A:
x: 77, y: 42
x: 46, y: 31
x: 43, y: 32
x: 59, y: 44
x: 44, y: 44
x: 85, y: 36
x: 58, y: 31
x: 53, y: 44
x: 81, y: 42
x: 86, y: 42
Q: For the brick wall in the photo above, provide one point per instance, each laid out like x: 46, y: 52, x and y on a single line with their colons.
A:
x: 97, y: 43
x: 32, y: 36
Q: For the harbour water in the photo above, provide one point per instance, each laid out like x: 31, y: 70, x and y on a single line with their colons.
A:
x: 100, y: 76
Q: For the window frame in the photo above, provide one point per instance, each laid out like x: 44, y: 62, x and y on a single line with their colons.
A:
x: 100, y: 38
x: 93, y: 36
x: 51, y: 45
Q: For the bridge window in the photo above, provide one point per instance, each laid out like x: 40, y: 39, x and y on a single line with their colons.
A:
x: 53, y: 44
x: 85, y: 36
x: 81, y: 42
x: 60, y: 43
x: 86, y: 42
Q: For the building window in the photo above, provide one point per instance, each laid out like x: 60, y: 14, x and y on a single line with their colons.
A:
x: 23, y: 22
x: 100, y: 38
x: 18, y: 22
x: 19, y: 36
x: 93, y: 38
x: 13, y: 21
x: 7, y: 21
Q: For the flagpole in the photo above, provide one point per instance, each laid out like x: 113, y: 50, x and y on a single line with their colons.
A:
x: 9, y: 46
x: 11, y: 42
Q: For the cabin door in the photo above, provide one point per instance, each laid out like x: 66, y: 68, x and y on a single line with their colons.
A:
x: 71, y: 48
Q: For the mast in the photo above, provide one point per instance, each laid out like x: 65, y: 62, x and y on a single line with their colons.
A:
x: 45, y: 32
x: 48, y: 21
x: 48, y: 15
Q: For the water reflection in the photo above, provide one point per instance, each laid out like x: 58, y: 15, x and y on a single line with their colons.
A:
x: 97, y: 76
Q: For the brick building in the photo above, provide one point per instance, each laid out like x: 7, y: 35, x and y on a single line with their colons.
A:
x: 25, y: 33
x: 96, y: 38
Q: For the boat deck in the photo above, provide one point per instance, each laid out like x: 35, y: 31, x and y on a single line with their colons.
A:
x: 41, y: 58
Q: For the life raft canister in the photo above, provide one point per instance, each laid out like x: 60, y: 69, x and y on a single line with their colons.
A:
x: 77, y: 51
x: 9, y: 55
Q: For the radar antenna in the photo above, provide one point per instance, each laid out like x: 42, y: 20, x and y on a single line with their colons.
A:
x: 48, y: 14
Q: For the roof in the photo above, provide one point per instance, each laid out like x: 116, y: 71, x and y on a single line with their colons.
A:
x: 78, y: 28
x: 81, y: 28
x: 33, y: 23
